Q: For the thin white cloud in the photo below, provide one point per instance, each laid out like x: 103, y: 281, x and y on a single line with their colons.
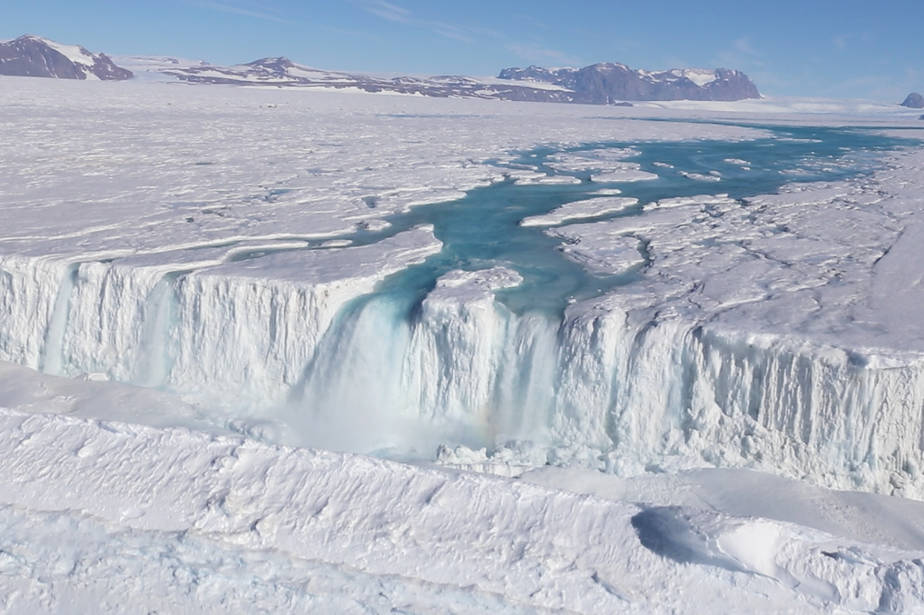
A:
x: 395, y: 13
x: 244, y: 11
x: 543, y: 55
x: 447, y: 30
x: 842, y: 41
x: 892, y: 87
x: 743, y: 45
x: 387, y: 10
x: 531, y: 21
x: 741, y: 54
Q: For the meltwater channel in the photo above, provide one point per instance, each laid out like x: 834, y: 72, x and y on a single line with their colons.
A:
x: 482, y: 230
x: 399, y: 371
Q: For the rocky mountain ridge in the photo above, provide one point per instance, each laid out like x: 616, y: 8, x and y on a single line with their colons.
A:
x: 606, y: 82
x: 34, y: 56
x: 283, y: 72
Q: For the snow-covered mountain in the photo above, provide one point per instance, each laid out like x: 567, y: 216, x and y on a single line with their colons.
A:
x: 605, y: 82
x: 597, y: 84
x: 283, y: 72
x: 33, y: 56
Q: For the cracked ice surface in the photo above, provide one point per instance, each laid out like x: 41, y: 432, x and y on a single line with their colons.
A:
x: 155, y: 168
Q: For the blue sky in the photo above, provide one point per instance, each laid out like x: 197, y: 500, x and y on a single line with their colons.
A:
x: 846, y: 48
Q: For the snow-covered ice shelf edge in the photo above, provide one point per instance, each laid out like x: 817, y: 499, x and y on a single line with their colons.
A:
x: 615, y: 386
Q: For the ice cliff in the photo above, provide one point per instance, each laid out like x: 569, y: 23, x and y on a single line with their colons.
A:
x: 610, y: 386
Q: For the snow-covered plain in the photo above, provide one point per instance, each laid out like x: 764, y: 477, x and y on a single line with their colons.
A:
x: 203, y: 288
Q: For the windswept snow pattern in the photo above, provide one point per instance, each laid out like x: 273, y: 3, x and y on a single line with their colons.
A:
x: 228, y: 523
x: 261, y: 276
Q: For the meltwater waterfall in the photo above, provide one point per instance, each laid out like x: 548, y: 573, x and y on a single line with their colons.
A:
x: 490, y: 335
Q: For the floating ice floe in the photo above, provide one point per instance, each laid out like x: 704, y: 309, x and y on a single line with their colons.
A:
x: 588, y: 208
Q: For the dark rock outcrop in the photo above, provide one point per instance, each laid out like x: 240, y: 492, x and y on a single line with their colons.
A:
x: 33, y: 56
x: 914, y: 101
x: 607, y: 82
x: 272, y: 67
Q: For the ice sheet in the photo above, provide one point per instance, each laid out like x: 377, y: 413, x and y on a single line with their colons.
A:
x: 182, y: 251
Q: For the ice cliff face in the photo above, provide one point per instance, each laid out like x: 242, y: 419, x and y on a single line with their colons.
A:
x: 605, y: 387
x: 33, y: 56
x: 198, y: 331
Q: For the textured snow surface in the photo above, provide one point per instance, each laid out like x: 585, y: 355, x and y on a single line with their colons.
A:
x: 93, y: 512
x: 191, y: 278
x: 192, y: 167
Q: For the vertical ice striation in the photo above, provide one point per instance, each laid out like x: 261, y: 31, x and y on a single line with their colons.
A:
x: 243, y: 340
x: 28, y: 298
x: 684, y: 393
x: 102, y: 327
x: 816, y: 408
x: 473, y: 361
x: 224, y: 332
x: 392, y: 374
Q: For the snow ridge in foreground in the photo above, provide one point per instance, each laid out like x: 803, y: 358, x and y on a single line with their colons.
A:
x: 167, y: 505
